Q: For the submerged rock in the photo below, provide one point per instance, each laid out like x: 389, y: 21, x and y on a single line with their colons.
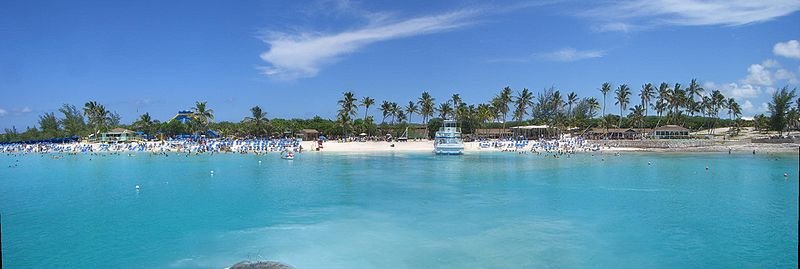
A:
x: 260, y: 265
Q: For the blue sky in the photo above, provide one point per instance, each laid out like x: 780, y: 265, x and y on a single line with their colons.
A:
x: 295, y: 59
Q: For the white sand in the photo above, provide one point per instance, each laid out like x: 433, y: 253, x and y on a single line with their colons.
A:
x: 382, y: 146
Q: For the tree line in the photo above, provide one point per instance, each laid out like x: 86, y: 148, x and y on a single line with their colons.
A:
x: 692, y: 107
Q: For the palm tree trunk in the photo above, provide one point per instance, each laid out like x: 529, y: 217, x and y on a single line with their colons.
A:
x: 604, y: 114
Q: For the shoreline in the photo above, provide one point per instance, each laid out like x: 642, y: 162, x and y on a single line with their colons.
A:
x: 588, y: 146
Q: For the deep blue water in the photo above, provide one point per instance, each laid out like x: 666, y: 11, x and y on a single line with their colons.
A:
x: 401, y: 211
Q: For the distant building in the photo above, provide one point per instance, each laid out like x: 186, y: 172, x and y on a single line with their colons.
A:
x: 670, y: 132
x: 308, y: 134
x: 617, y: 133
x: 119, y: 135
x: 184, y: 116
x: 493, y: 133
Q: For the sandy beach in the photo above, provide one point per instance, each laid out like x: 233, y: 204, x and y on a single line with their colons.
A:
x: 427, y: 146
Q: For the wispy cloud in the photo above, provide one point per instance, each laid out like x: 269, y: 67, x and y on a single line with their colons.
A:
x: 571, y: 55
x: 688, y: 12
x: 615, y: 27
x: 562, y: 55
x: 788, y: 49
x: 300, y: 55
x: 3, y: 112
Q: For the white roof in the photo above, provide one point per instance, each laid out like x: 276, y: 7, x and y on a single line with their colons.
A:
x: 528, y: 127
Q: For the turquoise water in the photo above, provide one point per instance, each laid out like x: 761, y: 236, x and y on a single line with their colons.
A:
x: 401, y: 211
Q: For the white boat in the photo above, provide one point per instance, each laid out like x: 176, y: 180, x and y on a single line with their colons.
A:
x: 448, y: 139
x: 289, y: 156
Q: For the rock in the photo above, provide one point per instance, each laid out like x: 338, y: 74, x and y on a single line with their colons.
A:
x: 260, y: 265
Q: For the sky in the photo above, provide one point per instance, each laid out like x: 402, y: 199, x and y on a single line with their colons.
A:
x: 296, y: 58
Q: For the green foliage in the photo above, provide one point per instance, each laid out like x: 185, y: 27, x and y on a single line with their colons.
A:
x: 433, y: 126
x: 73, y: 121
x: 49, y: 125
x: 779, y: 108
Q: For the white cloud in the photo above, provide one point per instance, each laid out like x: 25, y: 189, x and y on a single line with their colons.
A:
x: 768, y: 73
x: 735, y: 90
x: 25, y: 110
x: 614, y: 27
x: 292, y: 56
x: 3, y: 112
x: 571, y: 55
x: 747, y: 106
x: 758, y: 74
x: 749, y: 109
x: 789, y: 49
x: 695, y: 12
x: 770, y: 63
x: 783, y: 74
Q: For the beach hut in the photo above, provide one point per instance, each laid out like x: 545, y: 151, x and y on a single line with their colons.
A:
x: 671, y: 132
x: 309, y: 134
x: 493, y: 133
x: 120, y: 135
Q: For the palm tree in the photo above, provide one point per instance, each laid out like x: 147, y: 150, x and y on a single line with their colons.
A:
x: 693, y: 90
x: 444, y: 110
x: 647, y: 94
x: 593, y: 106
x: 456, y: 100
x: 572, y: 98
x: 348, y: 103
x: 347, y: 109
x: 736, y: 112
x: 605, y: 89
x: 717, y: 103
x: 144, y: 123
x: 676, y: 101
x: 484, y: 113
x: 386, y: 108
x: 257, y: 119
x: 501, y: 104
x: 343, y: 120
x: 394, y: 110
x: 662, y: 101
x: 732, y: 107
x: 521, y: 103
x: 637, y: 115
x: 366, y: 102
x: 556, y: 102
x: 457, y: 103
x: 426, y: 107
x: 202, y: 114
x: 410, y: 109
x: 623, y: 98
x: 97, y: 115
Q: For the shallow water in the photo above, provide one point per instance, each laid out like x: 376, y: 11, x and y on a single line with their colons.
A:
x: 401, y: 211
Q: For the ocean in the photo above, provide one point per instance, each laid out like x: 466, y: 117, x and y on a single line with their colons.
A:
x: 479, y: 210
